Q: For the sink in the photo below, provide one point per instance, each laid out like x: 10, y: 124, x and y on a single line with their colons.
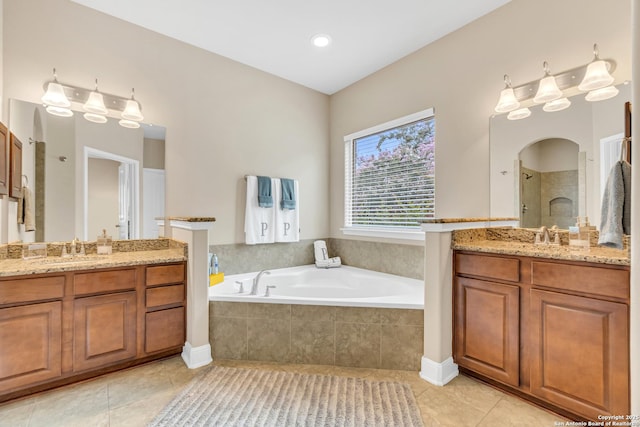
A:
x: 67, y: 261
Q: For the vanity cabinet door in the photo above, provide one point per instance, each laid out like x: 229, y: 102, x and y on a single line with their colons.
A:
x: 486, y: 322
x: 15, y: 167
x: 30, y: 344
x: 580, y: 353
x: 104, y: 330
x: 4, y: 154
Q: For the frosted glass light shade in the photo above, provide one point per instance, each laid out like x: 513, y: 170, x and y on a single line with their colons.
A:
x: 597, y: 76
x: 507, y: 101
x: 95, y: 118
x: 55, y: 96
x: 556, y: 105
x: 132, y: 111
x: 548, y: 90
x: 522, y: 113
x: 602, y: 94
x: 59, y: 111
x: 129, y: 124
x: 95, y: 104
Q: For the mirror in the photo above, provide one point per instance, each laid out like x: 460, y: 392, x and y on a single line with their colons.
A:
x: 86, y: 177
x: 595, y: 129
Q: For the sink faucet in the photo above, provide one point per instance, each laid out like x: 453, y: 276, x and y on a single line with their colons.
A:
x: 256, y: 281
x: 544, y: 235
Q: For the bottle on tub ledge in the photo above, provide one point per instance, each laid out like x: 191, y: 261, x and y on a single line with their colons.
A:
x: 215, y: 277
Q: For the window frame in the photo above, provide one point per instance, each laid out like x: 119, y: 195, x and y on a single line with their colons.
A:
x: 377, y: 231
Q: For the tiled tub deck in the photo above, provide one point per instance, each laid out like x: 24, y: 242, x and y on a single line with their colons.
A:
x: 386, y: 338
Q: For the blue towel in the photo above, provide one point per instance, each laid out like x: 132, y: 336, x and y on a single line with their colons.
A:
x: 288, y: 194
x: 265, y: 199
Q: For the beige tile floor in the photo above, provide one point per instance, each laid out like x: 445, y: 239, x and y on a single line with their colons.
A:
x: 133, y: 397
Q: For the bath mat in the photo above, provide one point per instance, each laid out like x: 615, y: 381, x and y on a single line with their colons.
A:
x: 229, y: 397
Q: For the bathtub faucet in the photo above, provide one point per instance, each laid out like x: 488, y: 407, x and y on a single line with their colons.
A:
x: 256, y: 281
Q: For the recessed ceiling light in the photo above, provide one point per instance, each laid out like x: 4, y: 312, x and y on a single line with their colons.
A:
x: 321, y: 40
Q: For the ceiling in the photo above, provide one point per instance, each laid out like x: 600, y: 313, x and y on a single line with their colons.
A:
x: 275, y: 36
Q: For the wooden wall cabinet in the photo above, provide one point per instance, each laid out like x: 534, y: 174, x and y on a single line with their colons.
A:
x: 15, y: 167
x: 4, y: 155
x: 60, y: 328
x: 554, y: 332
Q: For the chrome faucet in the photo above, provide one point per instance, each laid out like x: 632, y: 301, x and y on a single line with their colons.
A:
x: 256, y: 281
x: 542, y: 236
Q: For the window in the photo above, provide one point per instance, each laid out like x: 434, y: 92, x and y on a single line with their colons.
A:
x: 389, y: 175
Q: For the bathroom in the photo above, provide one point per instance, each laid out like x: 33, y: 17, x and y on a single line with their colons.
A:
x: 225, y: 120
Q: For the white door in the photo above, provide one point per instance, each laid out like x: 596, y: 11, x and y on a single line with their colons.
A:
x: 152, y: 201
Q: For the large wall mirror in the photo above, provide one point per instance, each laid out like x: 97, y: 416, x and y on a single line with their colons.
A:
x: 551, y: 167
x: 87, y: 177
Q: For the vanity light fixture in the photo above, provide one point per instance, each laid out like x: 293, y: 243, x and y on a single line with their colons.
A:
x: 522, y: 113
x: 602, y: 94
x: 553, y: 90
x: 548, y: 89
x: 507, y: 101
x: 556, y: 105
x: 597, y: 75
x: 96, y: 105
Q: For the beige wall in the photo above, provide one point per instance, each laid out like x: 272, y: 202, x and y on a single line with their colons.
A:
x: 460, y: 76
x: 224, y: 120
x: 153, y: 153
x: 103, y: 197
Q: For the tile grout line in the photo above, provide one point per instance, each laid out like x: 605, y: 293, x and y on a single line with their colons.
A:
x: 489, y: 411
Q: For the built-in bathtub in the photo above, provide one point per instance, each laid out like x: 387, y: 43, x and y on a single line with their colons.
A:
x: 344, y: 316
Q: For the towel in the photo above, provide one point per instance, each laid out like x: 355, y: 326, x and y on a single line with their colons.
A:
x: 265, y: 199
x: 258, y: 222
x: 320, y: 251
x: 288, y: 197
x: 616, y: 206
x: 26, y: 214
x: 287, y: 220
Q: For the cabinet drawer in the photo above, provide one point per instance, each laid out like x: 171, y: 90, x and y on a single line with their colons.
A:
x: 164, y: 295
x: 164, y: 329
x: 165, y: 274
x: 104, y: 281
x: 27, y: 290
x: 607, y: 282
x: 492, y: 267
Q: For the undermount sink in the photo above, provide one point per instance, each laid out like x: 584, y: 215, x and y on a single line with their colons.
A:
x: 67, y: 261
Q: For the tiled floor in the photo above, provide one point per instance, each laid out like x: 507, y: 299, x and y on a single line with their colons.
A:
x: 134, y: 396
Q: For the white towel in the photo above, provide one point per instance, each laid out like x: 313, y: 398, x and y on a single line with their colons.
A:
x: 29, y: 214
x: 259, y: 223
x: 287, y: 220
x: 320, y: 251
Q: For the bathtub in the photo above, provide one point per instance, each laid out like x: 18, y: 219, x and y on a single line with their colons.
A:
x: 309, y: 285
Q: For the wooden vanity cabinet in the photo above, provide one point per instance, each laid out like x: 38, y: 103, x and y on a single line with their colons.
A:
x: 555, y: 332
x: 15, y: 167
x: 60, y: 328
x: 165, y: 321
x: 4, y: 154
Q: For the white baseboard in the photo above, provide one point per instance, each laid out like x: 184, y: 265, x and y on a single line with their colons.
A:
x: 438, y: 373
x: 196, y: 357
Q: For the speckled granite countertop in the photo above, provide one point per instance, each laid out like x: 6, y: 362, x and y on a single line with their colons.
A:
x: 518, y: 241
x: 141, y: 252
x: 470, y: 219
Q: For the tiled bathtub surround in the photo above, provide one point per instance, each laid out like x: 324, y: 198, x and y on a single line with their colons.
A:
x: 392, y: 258
x: 402, y: 260
x: 310, y: 334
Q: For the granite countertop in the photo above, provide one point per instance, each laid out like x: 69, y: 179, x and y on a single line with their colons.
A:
x: 518, y: 241
x: 462, y: 220
x: 54, y: 264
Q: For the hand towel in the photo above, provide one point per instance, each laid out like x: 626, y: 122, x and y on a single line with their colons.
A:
x: 288, y: 194
x: 616, y: 206
x: 330, y: 263
x: 21, y: 208
x: 320, y: 251
x: 29, y: 213
x: 259, y: 223
x: 287, y: 220
x: 265, y: 198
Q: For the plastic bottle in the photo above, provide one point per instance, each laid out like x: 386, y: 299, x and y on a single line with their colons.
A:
x: 215, y: 264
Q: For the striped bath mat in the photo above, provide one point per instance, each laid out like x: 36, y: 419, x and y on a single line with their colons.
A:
x: 249, y: 397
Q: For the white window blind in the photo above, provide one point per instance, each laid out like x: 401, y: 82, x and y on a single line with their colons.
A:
x: 389, y: 171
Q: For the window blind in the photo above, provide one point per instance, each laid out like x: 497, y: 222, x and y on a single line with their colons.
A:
x: 389, y: 174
